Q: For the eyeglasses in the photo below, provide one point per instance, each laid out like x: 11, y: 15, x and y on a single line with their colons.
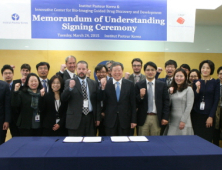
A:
x: 5, y: 73
x: 43, y: 68
x: 150, y: 70
x: 137, y: 65
x: 193, y: 76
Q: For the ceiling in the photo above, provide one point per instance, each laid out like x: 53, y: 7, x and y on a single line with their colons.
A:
x: 209, y: 17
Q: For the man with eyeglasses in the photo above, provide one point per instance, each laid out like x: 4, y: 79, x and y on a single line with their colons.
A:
x: 108, y: 65
x: 137, y: 64
x: 101, y: 72
x: 43, y: 71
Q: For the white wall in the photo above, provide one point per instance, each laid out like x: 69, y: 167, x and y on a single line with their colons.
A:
x: 208, y: 39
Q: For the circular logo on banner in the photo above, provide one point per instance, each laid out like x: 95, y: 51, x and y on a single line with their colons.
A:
x: 104, y: 63
x: 15, y: 17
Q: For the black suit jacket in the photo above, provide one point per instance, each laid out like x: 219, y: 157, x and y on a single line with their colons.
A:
x: 14, y: 83
x: 125, y: 107
x: 75, y: 102
x: 15, y: 110
x: 161, y: 101
x: 48, y: 111
x: 5, y: 97
x: 23, y: 99
x: 65, y: 76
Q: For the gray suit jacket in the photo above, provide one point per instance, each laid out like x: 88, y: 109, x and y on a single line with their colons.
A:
x: 131, y: 78
x: 75, y: 102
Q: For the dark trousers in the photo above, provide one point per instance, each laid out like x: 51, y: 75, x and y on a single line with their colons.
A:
x: 217, y: 132
x: 86, y: 127
x: 2, y: 135
x: 14, y: 129
x: 117, y: 130
x: 216, y: 137
x: 199, y: 126
x: 31, y: 132
x: 163, y: 127
x: 101, y: 128
x: 50, y: 132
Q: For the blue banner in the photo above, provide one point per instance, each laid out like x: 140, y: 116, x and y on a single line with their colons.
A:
x: 99, y: 19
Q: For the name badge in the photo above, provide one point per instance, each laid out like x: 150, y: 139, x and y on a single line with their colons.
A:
x: 220, y: 103
x: 202, y: 105
x: 85, y: 103
x: 57, y: 121
x: 37, y: 118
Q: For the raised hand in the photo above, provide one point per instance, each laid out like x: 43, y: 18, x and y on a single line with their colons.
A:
x: 42, y: 91
x: 72, y: 83
x: 127, y: 74
x: 63, y: 67
x: 17, y: 86
x: 142, y: 92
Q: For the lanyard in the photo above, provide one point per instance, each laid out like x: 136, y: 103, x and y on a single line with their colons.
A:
x: 204, y: 91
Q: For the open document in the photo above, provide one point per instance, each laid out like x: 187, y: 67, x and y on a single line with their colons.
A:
x: 119, y: 139
x: 83, y: 139
x: 129, y: 139
x: 73, y: 139
x: 138, y: 139
x: 92, y: 139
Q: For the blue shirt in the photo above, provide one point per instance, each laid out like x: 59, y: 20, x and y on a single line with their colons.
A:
x: 211, y: 92
x: 10, y: 86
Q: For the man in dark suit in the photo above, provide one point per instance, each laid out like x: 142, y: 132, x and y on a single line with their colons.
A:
x: 119, y: 104
x: 108, y: 65
x: 25, y: 70
x: 4, y: 110
x: 152, y: 102
x: 83, y: 106
x: 170, y: 67
x: 7, y: 74
x: 71, y: 67
x: 137, y: 64
x: 43, y: 71
x: 101, y: 72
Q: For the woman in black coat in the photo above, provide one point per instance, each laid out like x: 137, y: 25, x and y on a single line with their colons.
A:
x: 53, y: 110
x: 27, y: 99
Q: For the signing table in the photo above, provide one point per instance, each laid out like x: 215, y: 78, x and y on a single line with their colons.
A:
x: 161, y: 152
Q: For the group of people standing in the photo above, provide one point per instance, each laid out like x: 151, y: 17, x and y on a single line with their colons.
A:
x: 185, y: 102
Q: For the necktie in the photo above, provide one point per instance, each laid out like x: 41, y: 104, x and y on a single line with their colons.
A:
x: 44, y: 85
x: 117, y: 90
x: 85, y: 110
x: 150, y: 98
x: 99, y: 85
x: 169, y: 82
x: 137, y: 78
x: 10, y: 87
x: 220, y: 95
